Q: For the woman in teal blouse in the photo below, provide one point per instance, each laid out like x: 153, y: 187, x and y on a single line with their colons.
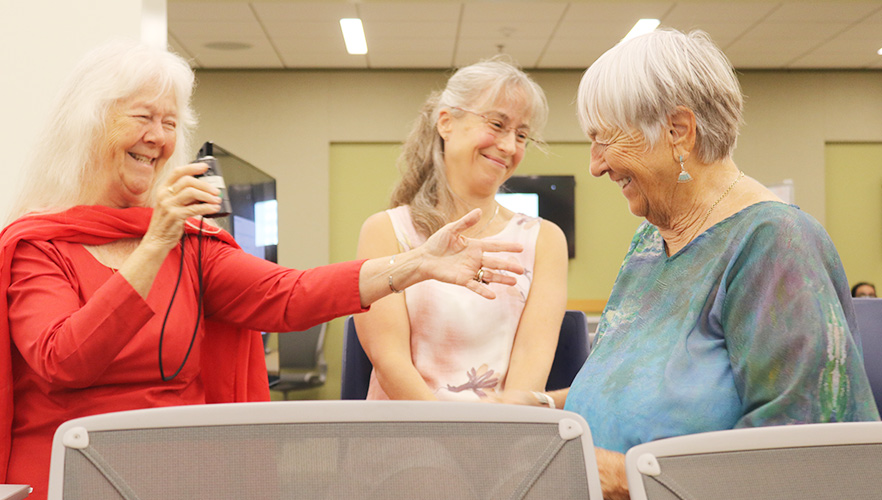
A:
x: 731, y: 308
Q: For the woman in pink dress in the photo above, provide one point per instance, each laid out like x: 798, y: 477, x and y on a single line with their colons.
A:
x: 433, y: 342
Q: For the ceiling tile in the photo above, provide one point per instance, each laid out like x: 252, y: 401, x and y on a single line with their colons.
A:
x: 413, y: 30
x: 303, y: 29
x: 496, y: 12
x: 629, y: 12
x: 304, y: 11
x: 614, y: 28
x: 216, y: 29
x: 436, y: 59
x: 208, y: 11
x: 809, y: 31
x: 524, y: 51
x: 410, y: 12
x: 329, y: 60
x: 506, y: 29
x: 823, y: 11
x: 427, y: 45
x: 700, y: 13
x: 240, y: 59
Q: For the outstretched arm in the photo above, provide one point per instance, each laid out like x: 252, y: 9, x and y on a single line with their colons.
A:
x: 446, y: 256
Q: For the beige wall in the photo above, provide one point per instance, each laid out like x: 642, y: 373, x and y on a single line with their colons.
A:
x: 43, y: 41
x: 284, y: 122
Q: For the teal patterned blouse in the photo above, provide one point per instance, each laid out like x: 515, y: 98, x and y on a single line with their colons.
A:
x: 748, y: 325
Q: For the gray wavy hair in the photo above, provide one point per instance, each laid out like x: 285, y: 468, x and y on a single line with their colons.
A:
x: 58, y: 170
x: 423, y: 183
x: 637, y: 85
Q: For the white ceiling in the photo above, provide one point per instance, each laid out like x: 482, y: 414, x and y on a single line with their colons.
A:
x: 538, y: 35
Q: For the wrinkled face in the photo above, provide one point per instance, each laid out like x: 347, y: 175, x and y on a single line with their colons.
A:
x: 140, y: 138
x: 483, y: 145
x: 644, y: 175
x: 865, y: 291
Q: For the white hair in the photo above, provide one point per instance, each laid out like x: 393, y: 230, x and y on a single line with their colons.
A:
x: 638, y: 84
x: 424, y: 184
x: 58, y: 169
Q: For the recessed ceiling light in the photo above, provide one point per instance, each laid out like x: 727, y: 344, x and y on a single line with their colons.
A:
x: 879, y: 52
x: 642, y: 27
x: 353, y: 35
x: 228, y: 45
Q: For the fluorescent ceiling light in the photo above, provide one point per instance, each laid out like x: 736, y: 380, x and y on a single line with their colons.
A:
x: 642, y: 27
x: 353, y: 34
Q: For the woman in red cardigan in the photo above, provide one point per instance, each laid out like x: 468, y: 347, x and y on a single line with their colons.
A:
x: 108, y: 234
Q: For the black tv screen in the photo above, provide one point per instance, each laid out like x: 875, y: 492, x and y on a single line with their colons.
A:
x: 552, y: 197
x: 254, y: 220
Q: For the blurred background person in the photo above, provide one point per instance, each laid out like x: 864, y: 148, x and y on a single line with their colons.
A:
x: 108, y: 234
x: 863, y: 289
x: 434, y: 342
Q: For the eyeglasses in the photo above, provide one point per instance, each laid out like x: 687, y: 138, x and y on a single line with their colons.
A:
x: 497, y: 128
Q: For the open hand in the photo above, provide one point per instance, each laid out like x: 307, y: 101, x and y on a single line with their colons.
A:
x: 451, y: 257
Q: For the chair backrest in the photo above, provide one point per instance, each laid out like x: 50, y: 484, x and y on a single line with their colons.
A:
x: 326, y: 449
x: 356, y: 369
x: 14, y: 491
x: 303, y: 350
x: 869, y: 319
x: 573, y: 347
x: 791, y: 462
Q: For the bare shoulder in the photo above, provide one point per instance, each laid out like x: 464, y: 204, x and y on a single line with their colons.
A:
x: 551, y: 234
x: 377, y: 237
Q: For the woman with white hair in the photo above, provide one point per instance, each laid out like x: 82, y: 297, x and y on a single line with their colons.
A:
x: 731, y: 308
x: 109, y: 235
x: 434, y: 342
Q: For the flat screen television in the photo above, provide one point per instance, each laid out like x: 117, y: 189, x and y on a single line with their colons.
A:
x: 254, y: 219
x: 552, y: 197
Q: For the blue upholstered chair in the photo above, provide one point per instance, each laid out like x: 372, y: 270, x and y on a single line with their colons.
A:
x: 869, y: 319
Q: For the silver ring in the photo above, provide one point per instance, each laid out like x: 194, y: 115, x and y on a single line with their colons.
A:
x: 479, y: 277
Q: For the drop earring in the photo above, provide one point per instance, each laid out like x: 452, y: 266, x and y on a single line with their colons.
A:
x: 684, y: 175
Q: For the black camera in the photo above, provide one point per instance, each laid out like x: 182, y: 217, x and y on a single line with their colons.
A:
x: 213, y: 176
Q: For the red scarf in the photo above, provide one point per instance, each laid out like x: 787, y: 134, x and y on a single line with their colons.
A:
x: 237, y: 368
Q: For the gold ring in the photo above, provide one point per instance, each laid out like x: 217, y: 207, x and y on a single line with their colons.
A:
x: 480, y: 276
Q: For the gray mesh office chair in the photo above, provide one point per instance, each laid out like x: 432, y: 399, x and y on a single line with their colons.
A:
x: 302, y: 362
x: 793, y: 462
x: 326, y: 450
x: 14, y: 491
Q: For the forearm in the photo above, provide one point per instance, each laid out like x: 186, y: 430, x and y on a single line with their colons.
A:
x: 67, y: 342
x: 378, y: 277
x: 613, y: 479
x: 559, y: 396
x: 403, y: 383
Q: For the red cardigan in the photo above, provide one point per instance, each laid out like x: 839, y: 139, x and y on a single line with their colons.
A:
x: 85, y: 342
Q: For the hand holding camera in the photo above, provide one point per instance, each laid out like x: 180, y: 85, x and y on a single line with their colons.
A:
x: 214, y: 177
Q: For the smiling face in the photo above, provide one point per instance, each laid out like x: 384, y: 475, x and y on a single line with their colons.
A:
x: 644, y: 175
x: 140, y: 138
x: 479, y: 158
